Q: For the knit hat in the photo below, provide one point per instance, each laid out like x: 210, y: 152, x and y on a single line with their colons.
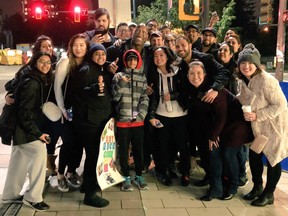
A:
x: 251, y: 54
x: 94, y: 47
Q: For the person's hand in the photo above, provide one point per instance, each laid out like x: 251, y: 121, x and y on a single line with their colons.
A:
x: 99, y: 38
x: 9, y: 100
x: 101, y: 86
x: 166, y: 97
x: 210, y: 96
x: 65, y: 115
x: 118, y: 42
x: 43, y: 138
x: 149, y: 89
x: 123, y: 80
x: 113, y: 67
x: 153, y: 122
x: 213, y: 20
x: 250, y: 116
x: 214, y: 144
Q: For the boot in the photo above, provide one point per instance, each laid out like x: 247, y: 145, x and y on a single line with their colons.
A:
x: 166, y: 178
x: 51, y: 167
x: 254, y: 193
x: 91, y: 199
x: 264, y: 199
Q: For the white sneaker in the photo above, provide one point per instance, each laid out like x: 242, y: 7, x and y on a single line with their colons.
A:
x: 62, y: 185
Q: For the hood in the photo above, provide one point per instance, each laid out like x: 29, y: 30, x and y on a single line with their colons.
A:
x: 140, y: 62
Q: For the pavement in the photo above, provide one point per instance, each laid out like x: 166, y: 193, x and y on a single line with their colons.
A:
x: 159, y: 200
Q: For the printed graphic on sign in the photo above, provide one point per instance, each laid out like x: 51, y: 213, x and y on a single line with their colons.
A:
x: 107, y: 173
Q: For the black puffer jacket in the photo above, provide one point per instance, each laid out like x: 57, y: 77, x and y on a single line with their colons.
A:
x: 30, y: 97
x: 90, y: 108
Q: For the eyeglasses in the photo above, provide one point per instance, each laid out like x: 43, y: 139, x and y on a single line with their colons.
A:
x: 44, y: 62
x: 208, y: 35
x: 150, y: 25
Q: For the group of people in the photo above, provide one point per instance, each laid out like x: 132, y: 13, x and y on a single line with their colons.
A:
x: 169, y: 94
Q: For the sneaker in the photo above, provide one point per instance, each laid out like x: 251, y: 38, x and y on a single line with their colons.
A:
x: 40, y: 206
x: 242, y: 183
x: 73, y: 181
x: 126, y: 185
x: 16, y: 200
x: 140, y: 183
x: 62, y: 185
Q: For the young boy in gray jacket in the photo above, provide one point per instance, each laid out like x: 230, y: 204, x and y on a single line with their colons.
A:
x: 129, y: 94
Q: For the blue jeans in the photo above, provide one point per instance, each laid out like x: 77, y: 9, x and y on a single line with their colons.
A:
x: 223, y: 158
x: 242, y: 157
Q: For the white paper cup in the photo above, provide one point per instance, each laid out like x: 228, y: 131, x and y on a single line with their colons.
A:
x: 246, y: 109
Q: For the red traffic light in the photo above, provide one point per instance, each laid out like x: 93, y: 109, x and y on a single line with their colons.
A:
x: 38, y: 13
x: 77, y: 14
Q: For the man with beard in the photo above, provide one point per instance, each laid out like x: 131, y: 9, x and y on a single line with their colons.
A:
x: 136, y: 42
x: 193, y: 34
x: 209, y: 42
x: 101, y: 32
x: 219, y: 77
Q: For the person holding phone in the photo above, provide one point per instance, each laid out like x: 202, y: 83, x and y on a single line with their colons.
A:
x: 101, y: 32
x: 168, y: 106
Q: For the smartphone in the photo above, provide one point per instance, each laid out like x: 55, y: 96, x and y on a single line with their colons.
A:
x: 48, y: 139
x: 101, y: 32
x: 214, y: 13
x: 158, y: 124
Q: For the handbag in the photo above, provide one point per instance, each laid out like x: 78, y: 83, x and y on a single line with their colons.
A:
x: 50, y: 109
x: 259, y: 144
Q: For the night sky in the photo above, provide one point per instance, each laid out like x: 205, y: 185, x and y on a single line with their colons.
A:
x: 11, y: 7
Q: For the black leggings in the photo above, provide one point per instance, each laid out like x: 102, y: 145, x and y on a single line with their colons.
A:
x: 273, y: 173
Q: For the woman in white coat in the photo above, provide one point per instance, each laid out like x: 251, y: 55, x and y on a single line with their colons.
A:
x: 269, y: 117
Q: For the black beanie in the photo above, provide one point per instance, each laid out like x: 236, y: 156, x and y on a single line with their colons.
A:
x: 94, y: 47
x: 251, y: 54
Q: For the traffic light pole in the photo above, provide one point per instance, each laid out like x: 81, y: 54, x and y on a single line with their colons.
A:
x: 280, y: 47
x: 205, y: 14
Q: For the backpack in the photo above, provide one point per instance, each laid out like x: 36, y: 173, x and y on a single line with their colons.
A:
x: 8, y: 121
x: 9, y: 115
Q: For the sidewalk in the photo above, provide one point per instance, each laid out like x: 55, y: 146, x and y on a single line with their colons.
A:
x: 159, y: 200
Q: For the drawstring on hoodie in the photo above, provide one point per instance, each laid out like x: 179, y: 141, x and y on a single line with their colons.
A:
x: 169, y: 85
